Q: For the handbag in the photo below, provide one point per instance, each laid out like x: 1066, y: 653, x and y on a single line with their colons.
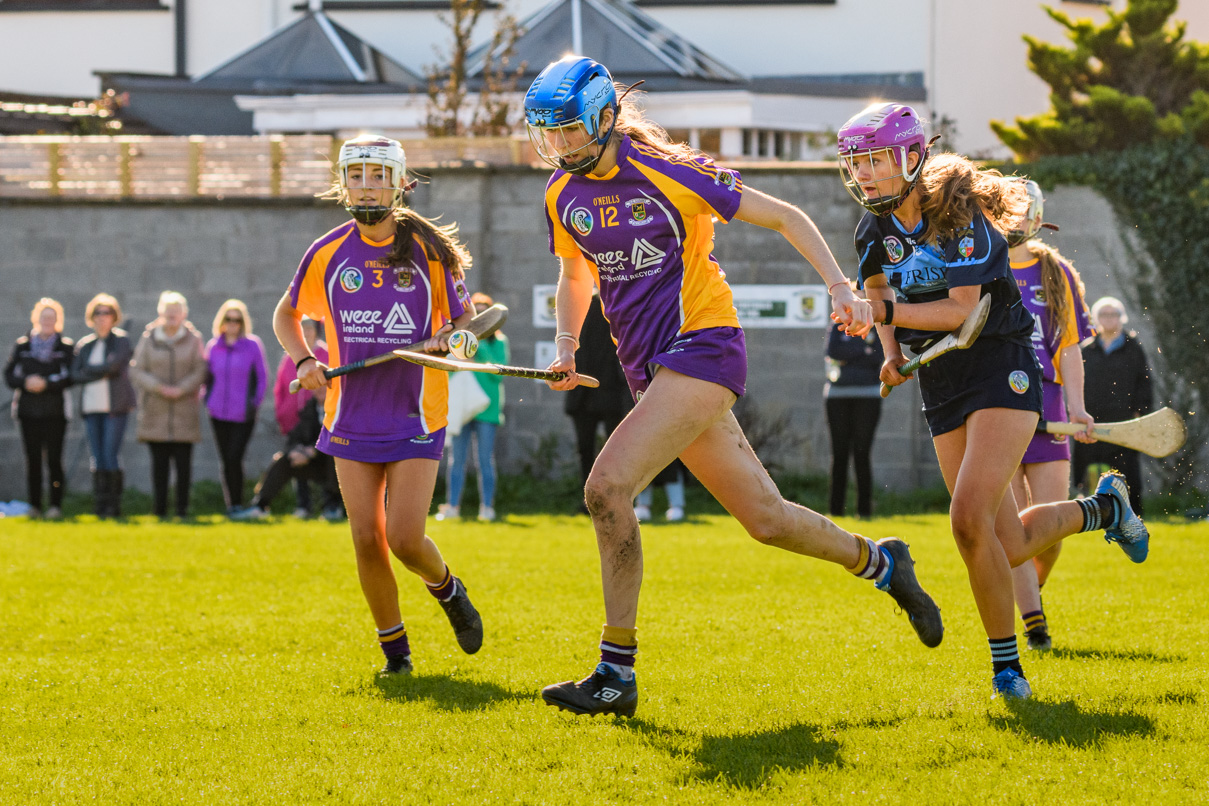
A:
x: 467, y: 400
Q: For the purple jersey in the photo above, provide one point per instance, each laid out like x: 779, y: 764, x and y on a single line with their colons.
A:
x: 646, y: 230
x: 368, y: 309
x: 1048, y: 340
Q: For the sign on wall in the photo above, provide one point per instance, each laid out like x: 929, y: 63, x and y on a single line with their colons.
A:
x: 759, y: 306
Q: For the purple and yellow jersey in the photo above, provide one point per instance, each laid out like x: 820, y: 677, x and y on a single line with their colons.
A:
x: 1048, y: 340
x: 646, y: 229
x: 369, y: 308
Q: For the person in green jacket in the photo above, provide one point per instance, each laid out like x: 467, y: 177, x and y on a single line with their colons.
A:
x: 493, y: 350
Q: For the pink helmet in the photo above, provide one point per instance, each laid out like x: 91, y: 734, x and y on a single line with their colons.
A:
x: 894, y: 129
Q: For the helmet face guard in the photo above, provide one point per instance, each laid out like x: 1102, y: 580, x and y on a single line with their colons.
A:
x: 882, y: 134
x: 371, y: 162
x: 1033, y: 220
x: 564, y: 110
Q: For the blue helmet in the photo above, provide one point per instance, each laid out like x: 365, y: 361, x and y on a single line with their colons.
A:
x: 573, y: 91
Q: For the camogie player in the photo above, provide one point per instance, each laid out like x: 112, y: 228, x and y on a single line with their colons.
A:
x: 633, y: 214
x: 388, y: 278
x: 1053, y: 293
x: 929, y: 248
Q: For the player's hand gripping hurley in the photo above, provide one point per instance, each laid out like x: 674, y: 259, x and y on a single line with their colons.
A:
x: 482, y: 325
x: 959, y: 339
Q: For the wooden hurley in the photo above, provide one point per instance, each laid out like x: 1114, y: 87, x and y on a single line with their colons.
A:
x: 482, y: 326
x: 1157, y: 434
x: 454, y: 365
x: 959, y: 339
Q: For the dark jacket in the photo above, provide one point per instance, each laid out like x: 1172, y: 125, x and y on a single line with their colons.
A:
x: 855, y: 362
x: 50, y: 402
x: 1116, y: 385
x: 597, y: 356
x: 116, y: 368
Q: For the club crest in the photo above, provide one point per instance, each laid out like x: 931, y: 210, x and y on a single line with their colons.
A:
x: 893, y: 247
x: 1018, y: 380
x: 965, y: 246
x: 351, y: 279
x: 581, y: 219
x: 638, y: 212
x: 404, y: 277
x: 725, y: 178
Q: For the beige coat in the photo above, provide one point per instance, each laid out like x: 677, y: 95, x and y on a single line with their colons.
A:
x: 161, y: 362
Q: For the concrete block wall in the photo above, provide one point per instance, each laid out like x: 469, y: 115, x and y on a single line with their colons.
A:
x: 214, y: 250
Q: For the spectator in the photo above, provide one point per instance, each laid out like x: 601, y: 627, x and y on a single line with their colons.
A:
x: 238, y: 378
x: 169, y: 369
x: 482, y: 428
x: 288, y: 406
x: 102, y: 366
x: 300, y: 460
x: 39, y: 370
x: 1116, y: 384
x: 590, y: 409
x: 854, y: 405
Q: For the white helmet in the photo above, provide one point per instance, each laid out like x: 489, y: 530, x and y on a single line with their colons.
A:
x: 372, y: 151
x: 1034, y: 219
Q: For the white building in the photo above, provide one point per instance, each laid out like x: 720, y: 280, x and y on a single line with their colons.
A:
x: 806, y: 65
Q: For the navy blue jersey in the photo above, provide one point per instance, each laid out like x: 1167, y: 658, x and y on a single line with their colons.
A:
x: 924, y: 272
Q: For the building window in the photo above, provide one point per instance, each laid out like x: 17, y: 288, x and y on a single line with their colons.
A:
x: 82, y: 5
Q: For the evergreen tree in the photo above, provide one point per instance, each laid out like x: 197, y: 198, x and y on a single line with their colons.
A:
x: 1130, y: 80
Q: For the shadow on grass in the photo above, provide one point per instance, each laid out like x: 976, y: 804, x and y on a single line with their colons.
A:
x: 1066, y: 723
x: 1066, y: 653
x: 748, y: 760
x: 448, y: 693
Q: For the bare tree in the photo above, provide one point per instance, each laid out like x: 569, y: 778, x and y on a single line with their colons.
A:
x: 447, y: 85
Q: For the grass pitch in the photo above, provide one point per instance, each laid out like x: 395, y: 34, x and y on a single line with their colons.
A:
x: 234, y: 663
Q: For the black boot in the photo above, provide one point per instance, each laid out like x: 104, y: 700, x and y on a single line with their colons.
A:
x: 100, y: 483
x: 117, y: 483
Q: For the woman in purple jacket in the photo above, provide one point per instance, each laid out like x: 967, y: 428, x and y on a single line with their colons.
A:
x: 238, y: 380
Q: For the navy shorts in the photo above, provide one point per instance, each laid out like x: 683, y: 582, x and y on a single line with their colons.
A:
x: 991, y: 374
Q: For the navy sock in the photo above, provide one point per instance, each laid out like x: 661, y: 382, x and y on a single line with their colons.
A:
x: 1099, y: 512
x: 1005, y: 655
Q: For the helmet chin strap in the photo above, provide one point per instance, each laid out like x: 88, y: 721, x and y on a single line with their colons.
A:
x: 586, y: 165
x: 369, y: 214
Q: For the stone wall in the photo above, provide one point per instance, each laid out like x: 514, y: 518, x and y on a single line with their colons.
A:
x: 215, y: 250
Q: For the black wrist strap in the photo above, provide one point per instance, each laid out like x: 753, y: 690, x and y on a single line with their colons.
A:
x: 298, y: 364
x: 889, y: 312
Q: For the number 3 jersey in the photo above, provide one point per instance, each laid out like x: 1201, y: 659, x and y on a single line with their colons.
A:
x: 369, y: 308
x: 646, y: 230
x: 924, y: 272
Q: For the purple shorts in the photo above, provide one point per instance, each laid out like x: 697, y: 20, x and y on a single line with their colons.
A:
x: 421, y: 446
x: 1049, y: 447
x: 715, y: 354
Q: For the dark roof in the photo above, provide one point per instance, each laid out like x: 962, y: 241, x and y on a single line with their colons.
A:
x: 313, y: 49
x: 312, y: 55
x: 898, y: 86
x: 617, y: 34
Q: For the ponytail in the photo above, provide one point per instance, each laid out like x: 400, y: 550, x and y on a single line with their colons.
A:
x: 440, y: 243
x: 1053, y: 285
x: 953, y: 191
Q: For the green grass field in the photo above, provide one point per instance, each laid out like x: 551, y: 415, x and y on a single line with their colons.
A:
x: 217, y: 663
